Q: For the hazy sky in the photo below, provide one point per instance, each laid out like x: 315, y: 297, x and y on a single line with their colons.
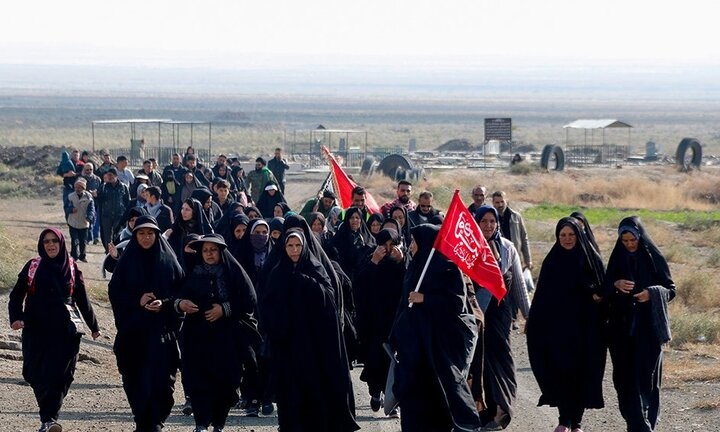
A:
x: 260, y: 33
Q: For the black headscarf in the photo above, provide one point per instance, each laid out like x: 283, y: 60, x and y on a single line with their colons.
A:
x: 375, y: 217
x: 267, y: 203
x: 141, y: 270
x: 222, y: 225
x: 298, y: 312
x: 563, y: 314
x: 235, y: 245
x: 349, y: 246
x: 623, y: 264
x: 586, y: 228
x: 51, y: 268
x: 249, y: 209
x: 495, y: 241
x: 197, y: 225
x: 297, y: 223
x: 405, y: 229
x: 277, y: 224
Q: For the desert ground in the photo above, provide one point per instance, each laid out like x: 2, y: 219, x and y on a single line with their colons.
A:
x: 97, y: 402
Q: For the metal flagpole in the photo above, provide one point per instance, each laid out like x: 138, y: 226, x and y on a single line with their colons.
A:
x: 422, y: 275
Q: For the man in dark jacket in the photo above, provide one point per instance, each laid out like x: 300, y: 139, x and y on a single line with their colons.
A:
x: 112, y: 200
x: 424, y: 212
x: 278, y: 166
x: 153, y: 177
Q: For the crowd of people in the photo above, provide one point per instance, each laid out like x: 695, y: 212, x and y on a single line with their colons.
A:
x: 263, y: 308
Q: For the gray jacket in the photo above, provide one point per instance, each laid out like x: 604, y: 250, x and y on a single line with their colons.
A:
x: 85, y: 213
x: 519, y: 237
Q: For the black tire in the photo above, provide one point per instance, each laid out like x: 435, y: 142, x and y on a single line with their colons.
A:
x: 366, y: 168
x: 554, y: 153
x: 390, y: 164
x: 680, y: 156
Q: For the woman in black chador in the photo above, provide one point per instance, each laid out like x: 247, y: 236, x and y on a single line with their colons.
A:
x: 142, y: 291
x: 309, y: 366
x: 351, y: 242
x: 498, y: 372
x: 192, y: 220
x: 565, y: 335
x: 50, y: 340
x: 219, y: 301
x: 638, y: 287
x: 435, y: 339
x: 378, y: 290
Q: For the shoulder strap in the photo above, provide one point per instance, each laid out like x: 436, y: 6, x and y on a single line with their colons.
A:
x: 35, y: 262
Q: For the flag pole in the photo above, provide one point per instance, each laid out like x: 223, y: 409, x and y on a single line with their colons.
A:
x: 422, y: 275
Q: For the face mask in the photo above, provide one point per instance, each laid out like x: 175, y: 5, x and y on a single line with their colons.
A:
x: 258, y: 241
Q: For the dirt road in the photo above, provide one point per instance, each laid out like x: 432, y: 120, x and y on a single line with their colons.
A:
x: 97, y: 402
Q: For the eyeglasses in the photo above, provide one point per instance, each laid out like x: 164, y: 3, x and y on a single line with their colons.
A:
x: 51, y: 241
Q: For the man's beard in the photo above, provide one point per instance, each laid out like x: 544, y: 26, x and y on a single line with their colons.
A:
x: 258, y: 168
x: 404, y: 199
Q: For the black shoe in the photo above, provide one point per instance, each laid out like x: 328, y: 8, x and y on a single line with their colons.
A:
x: 252, y: 409
x: 96, y: 241
x: 267, y: 408
x: 375, y: 403
x: 51, y: 426
x: 187, y: 408
x: 83, y: 259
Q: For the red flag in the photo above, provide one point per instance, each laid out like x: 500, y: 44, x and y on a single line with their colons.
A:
x: 343, y: 185
x: 462, y: 242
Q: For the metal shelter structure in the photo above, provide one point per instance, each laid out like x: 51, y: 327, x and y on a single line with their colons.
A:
x: 594, y: 152
x: 176, y: 125
x: 322, y: 136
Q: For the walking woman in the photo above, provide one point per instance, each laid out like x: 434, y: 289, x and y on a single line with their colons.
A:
x: 500, y: 385
x: 219, y: 301
x: 142, y: 291
x: 638, y: 287
x: 351, y: 242
x: 192, y: 220
x: 435, y: 339
x: 309, y: 367
x: 378, y: 289
x: 565, y: 335
x: 47, y: 295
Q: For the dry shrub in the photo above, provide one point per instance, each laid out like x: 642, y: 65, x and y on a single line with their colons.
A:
x: 714, y: 258
x: 710, y: 237
x: 679, y: 253
x: 662, y: 233
x: 698, y: 288
x: 693, y: 327
x: 653, y: 187
x: 691, y: 368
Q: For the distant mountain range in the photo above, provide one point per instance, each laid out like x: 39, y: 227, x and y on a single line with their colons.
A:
x: 403, y: 80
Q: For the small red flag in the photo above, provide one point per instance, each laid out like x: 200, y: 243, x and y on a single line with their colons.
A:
x: 343, y: 185
x: 462, y: 242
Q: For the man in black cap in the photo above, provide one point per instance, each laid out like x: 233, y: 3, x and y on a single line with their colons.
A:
x: 113, y: 198
x: 322, y: 203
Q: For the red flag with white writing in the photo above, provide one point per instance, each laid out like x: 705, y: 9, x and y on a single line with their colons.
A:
x: 462, y: 242
x: 343, y: 185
